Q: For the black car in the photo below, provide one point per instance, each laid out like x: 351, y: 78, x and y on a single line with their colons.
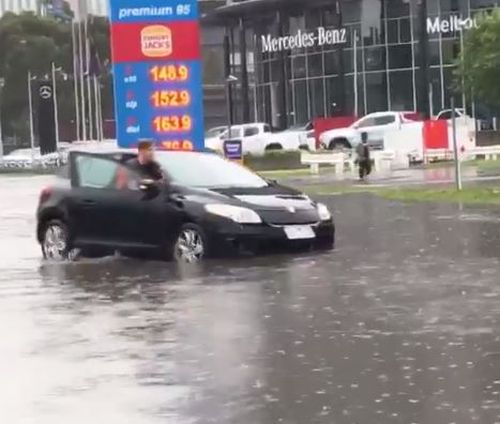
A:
x: 207, y: 206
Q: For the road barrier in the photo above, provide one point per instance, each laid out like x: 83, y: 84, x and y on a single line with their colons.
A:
x: 486, y: 153
x: 345, y: 161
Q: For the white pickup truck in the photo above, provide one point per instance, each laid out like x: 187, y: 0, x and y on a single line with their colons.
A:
x: 375, y: 125
x: 256, y: 138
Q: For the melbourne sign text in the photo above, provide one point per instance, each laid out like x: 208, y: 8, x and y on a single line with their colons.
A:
x: 451, y: 24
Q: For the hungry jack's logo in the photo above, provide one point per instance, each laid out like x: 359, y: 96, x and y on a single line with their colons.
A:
x: 156, y: 41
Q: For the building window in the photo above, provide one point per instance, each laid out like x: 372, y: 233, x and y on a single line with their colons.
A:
x: 301, y: 101
x: 298, y: 67
x: 316, y: 91
x: 400, y: 56
x: 315, y: 65
x: 374, y: 58
x: 376, y: 92
x: 401, y: 90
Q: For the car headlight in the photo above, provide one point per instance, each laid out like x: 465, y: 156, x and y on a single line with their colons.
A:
x: 234, y: 213
x: 323, y: 212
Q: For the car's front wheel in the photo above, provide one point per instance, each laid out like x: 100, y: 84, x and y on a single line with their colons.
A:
x: 55, y: 242
x: 339, y: 144
x: 190, y: 246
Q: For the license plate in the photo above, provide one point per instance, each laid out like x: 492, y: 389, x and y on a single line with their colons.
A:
x: 299, y: 232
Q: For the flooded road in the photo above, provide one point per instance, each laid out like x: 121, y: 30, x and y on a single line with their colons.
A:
x: 399, y: 325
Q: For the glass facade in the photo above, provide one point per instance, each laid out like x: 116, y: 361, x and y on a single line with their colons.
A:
x: 353, y: 57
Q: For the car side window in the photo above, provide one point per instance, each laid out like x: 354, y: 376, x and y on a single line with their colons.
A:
x: 267, y: 128
x: 445, y: 116
x: 251, y: 131
x: 366, y: 122
x: 95, y: 172
x: 385, y: 120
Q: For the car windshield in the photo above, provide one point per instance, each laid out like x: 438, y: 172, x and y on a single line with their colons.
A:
x: 235, y: 133
x: 297, y: 127
x: 206, y: 170
x: 214, y: 132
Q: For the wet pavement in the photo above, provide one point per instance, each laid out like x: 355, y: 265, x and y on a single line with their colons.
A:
x: 400, y: 324
x: 415, y: 176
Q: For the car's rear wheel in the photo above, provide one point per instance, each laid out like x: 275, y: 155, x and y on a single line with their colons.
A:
x: 55, y: 242
x: 274, y: 146
x: 190, y: 246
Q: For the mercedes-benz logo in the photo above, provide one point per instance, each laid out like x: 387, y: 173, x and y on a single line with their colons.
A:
x: 45, y: 92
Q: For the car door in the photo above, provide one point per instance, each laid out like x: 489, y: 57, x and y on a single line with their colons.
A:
x: 252, y: 142
x: 376, y: 127
x: 103, y: 214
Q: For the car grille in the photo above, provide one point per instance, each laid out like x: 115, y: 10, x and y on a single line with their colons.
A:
x: 285, y: 217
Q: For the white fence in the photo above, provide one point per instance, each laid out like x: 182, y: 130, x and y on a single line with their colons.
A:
x: 345, y: 161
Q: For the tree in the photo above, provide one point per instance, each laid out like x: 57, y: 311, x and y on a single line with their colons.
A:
x: 31, y: 43
x: 479, y: 62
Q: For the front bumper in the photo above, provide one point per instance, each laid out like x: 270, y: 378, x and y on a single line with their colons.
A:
x: 232, y: 239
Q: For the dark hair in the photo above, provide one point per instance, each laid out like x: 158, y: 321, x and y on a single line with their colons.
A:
x: 144, y: 145
x: 364, y: 136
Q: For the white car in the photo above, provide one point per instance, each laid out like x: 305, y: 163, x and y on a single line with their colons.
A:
x: 28, y: 158
x: 213, y: 137
x: 297, y: 136
x: 375, y: 125
x: 447, y: 114
x: 256, y: 139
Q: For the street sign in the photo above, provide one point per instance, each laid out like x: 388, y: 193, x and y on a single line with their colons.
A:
x: 233, y: 150
x: 157, y: 73
x: 46, y: 123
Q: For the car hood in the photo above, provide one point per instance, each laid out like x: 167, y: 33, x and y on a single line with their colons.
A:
x: 214, y: 143
x: 275, y: 204
x: 270, y: 197
x: 276, y: 201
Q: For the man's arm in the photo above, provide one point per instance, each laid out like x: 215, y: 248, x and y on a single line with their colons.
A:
x: 157, y: 173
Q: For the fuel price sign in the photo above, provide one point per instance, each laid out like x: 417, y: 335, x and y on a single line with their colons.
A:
x: 157, y: 73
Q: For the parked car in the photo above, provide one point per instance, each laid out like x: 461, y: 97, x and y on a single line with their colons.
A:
x: 28, y: 158
x: 447, y: 114
x: 257, y: 138
x: 301, y: 135
x: 374, y: 124
x: 213, y: 138
x: 209, y: 206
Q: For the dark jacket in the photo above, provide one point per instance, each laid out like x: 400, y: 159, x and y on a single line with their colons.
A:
x: 363, y: 152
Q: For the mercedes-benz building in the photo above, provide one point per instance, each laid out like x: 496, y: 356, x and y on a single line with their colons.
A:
x: 296, y: 60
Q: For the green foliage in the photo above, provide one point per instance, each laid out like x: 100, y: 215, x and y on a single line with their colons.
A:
x: 479, y: 63
x: 31, y: 43
x: 273, y: 160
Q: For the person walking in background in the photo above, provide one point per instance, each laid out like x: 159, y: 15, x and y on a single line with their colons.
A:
x: 363, y: 157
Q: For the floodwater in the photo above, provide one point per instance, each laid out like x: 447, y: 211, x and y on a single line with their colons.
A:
x: 399, y: 325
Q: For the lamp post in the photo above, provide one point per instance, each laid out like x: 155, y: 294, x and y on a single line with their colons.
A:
x: 32, y: 126
x: 56, y: 112
x: 231, y: 79
x: 2, y: 83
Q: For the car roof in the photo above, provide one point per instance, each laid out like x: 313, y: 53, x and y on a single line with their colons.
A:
x: 102, y: 147
x: 111, y: 149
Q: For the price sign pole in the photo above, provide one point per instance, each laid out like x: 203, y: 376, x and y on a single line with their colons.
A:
x: 456, y: 153
x: 157, y: 73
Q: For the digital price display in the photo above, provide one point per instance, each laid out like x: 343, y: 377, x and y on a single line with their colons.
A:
x: 157, y: 73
